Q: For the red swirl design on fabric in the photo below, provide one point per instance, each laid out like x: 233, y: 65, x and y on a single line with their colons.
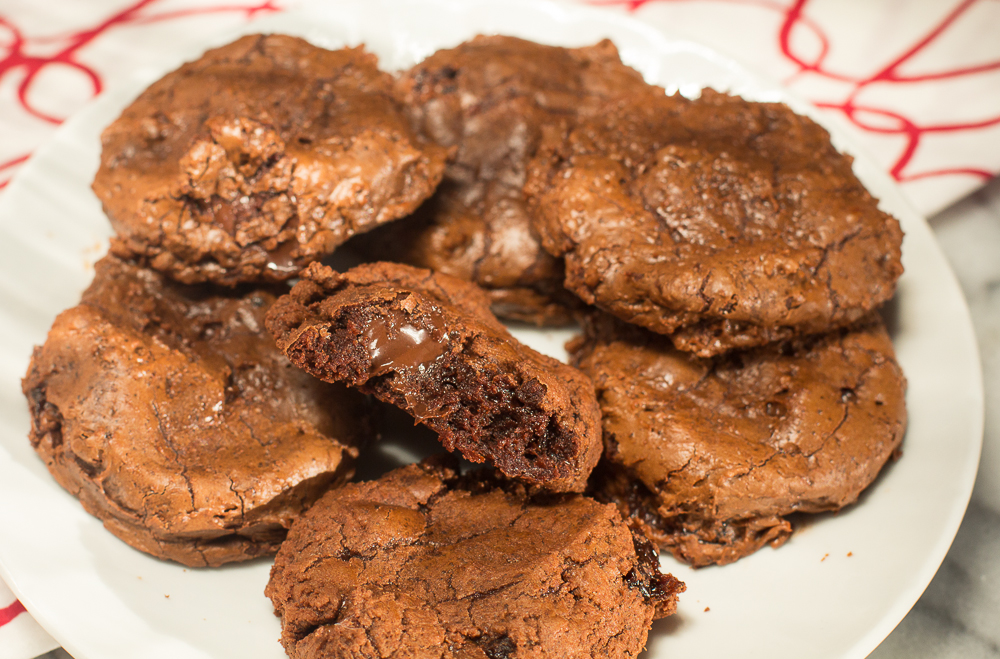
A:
x: 10, y: 612
x: 17, y: 59
x: 891, y: 122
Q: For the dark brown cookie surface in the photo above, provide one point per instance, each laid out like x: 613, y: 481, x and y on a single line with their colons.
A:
x: 488, y: 98
x: 168, y: 411
x: 258, y: 158
x: 480, y: 234
x: 722, y: 223
x: 711, y: 455
x: 422, y: 563
x: 428, y: 344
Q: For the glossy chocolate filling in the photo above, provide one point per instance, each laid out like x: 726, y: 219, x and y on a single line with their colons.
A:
x: 395, y: 343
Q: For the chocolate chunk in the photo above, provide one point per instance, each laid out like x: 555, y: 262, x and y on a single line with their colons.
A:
x: 258, y: 158
x: 425, y: 563
x: 721, y: 223
x: 428, y: 343
x: 710, y: 456
x: 168, y: 411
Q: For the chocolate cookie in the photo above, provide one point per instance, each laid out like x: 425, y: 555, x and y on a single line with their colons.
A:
x: 258, y: 158
x: 480, y: 233
x: 720, y: 222
x: 489, y: 98
x: 711, y: 455
x: 423, y: 563
x: 168, y: 411
x: 428, y: 344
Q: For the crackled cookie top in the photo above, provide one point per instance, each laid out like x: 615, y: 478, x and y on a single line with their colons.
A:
x: 423, y: 563
x: 489, y: 98
x: 258, y: 158
x: 428, y: 343
x: 719, y: 222
x: 168, y: 411
x: 711, y: 455
x: 482, y: 234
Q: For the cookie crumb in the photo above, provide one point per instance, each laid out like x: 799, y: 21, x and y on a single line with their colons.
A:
x: 707, y: 609
x: 850, y: 553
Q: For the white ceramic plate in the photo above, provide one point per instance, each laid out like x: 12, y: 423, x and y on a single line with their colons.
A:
x: 835, y: 590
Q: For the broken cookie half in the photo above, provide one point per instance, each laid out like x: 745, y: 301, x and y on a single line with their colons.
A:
x: 167, y: 410
x: 426, y: 563
x: 429, y: 344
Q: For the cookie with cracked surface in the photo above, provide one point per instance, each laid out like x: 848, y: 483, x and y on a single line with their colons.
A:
x: 710, y: 456
x: 258, y: 158
x: 425, y: 563
x: 719, y: 222
x: 488, y: 98
x: 480, y: 234
x: 427, y: 343
x: 168, y: 411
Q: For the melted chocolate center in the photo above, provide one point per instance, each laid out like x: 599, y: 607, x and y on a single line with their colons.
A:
x: 395, y: 343
x: 281, y: 261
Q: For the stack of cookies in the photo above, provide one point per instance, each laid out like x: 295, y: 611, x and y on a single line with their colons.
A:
x: 725, y: 264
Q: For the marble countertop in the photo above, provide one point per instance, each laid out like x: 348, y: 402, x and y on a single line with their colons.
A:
x: 958, y: 616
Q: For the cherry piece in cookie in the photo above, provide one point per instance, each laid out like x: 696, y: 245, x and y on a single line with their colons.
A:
x: 425, y: 563
x: 168, y: 411
x: 428, y: 344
